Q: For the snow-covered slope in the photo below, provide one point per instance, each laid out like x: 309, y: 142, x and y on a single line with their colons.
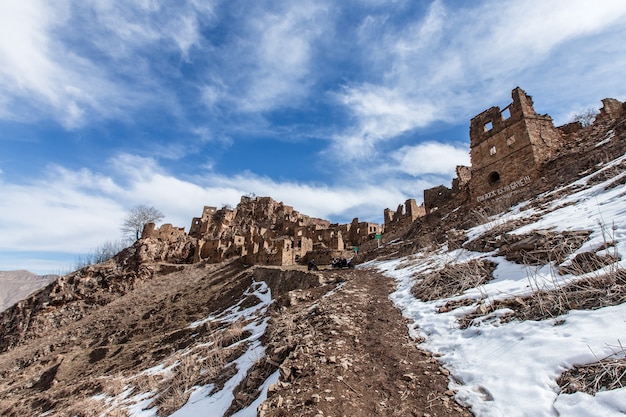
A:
x: 502, y: 364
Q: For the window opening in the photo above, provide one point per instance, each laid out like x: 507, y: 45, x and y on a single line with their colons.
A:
x: 488, y: 126
x: 492, y: 150
x: 510, y: 141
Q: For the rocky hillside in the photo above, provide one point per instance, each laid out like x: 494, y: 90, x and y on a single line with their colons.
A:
x: 138, y: 337
x: 160, y: 339
x: 470, y: 310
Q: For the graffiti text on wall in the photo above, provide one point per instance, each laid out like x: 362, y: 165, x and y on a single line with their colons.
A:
x: 506, y: 190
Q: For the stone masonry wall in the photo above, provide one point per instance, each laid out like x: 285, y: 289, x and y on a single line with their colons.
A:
x: 506, y: 148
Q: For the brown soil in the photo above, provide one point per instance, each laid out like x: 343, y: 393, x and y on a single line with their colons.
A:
x: 351, y: 355
x: 340, y: 346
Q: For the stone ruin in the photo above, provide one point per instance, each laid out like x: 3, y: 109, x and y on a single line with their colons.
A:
x: 404, y: 215
x: 517, y: 153
x: 262, y: 231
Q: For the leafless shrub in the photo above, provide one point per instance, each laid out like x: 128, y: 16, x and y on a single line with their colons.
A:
x: 147, y: 382
x: 453, y: 279
x: 113, y: 386
x: 585, y: 117
x: 587, y: 262
x: 201, y: 365
x: 480, y: 216
x: 606, y: 288
x: 542, y: 246
x: 233, y: 333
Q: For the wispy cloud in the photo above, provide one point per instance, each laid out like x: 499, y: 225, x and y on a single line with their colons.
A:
x: 430, y: 158
x: 67, y: 211
x: 270, y: 55
x: 78, y: 210
x: 48, y: 66
x: 436, y: 66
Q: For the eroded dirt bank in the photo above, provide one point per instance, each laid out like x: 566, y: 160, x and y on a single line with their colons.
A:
x: 350, y: 355
x: 338, y: 343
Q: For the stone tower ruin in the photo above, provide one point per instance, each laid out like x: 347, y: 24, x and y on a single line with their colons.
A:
x: 507, y: 146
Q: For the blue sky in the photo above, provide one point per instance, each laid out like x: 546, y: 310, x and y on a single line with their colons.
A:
x: 338, y: 108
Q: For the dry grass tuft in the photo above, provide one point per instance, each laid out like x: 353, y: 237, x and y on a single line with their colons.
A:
x: 177, y: 390
x: 233, y: 334
x: 453, y: 280
x: 588, y: 294
x: 90, y: 407
x: 607, y: 374
x: 113, y: 386
x: 201, y: 365
x: 606, y: 287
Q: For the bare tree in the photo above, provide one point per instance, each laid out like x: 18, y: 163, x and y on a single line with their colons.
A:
x: 585, y: 117
x: 137, y: 218
x: 100, y: 254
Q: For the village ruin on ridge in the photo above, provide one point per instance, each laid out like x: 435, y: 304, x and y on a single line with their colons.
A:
x: 515, y: 154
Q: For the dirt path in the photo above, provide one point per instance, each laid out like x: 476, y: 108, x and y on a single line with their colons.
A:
x: 350, y: 355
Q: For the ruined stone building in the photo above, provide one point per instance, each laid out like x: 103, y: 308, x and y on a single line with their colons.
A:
x: 263, y: 231
x: 507, y: 147
x: 510, y: 149
x: 165, y: 232
x: 404, y: 215
x: 516, y: 153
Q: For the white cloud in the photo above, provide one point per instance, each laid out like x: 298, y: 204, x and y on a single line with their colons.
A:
x: 382, y: 114
x: 74, y: 211
x: 61, y: 213
x: 430, y: 158
x: 123, y: 29
x: 269, y: 64
x: 55, y: 58
x: 39, y: 72
x: 453, y: 63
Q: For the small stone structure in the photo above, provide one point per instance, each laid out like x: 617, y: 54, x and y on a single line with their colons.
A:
x: 166, y: 232
x: 404, y: 215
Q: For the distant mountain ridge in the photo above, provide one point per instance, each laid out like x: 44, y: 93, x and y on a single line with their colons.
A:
x: 17, y: 285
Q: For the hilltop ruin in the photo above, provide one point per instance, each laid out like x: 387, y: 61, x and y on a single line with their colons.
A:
x: 515, y: 154
x: 262, y: 231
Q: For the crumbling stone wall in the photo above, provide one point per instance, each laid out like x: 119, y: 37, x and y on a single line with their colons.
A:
x: 166, y: 232
x: 360, y: 232
x: 507, y: 147
x: 437, y: 197
x: 517, y: 153
x: 264, y: 231
x: 404, y: 215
